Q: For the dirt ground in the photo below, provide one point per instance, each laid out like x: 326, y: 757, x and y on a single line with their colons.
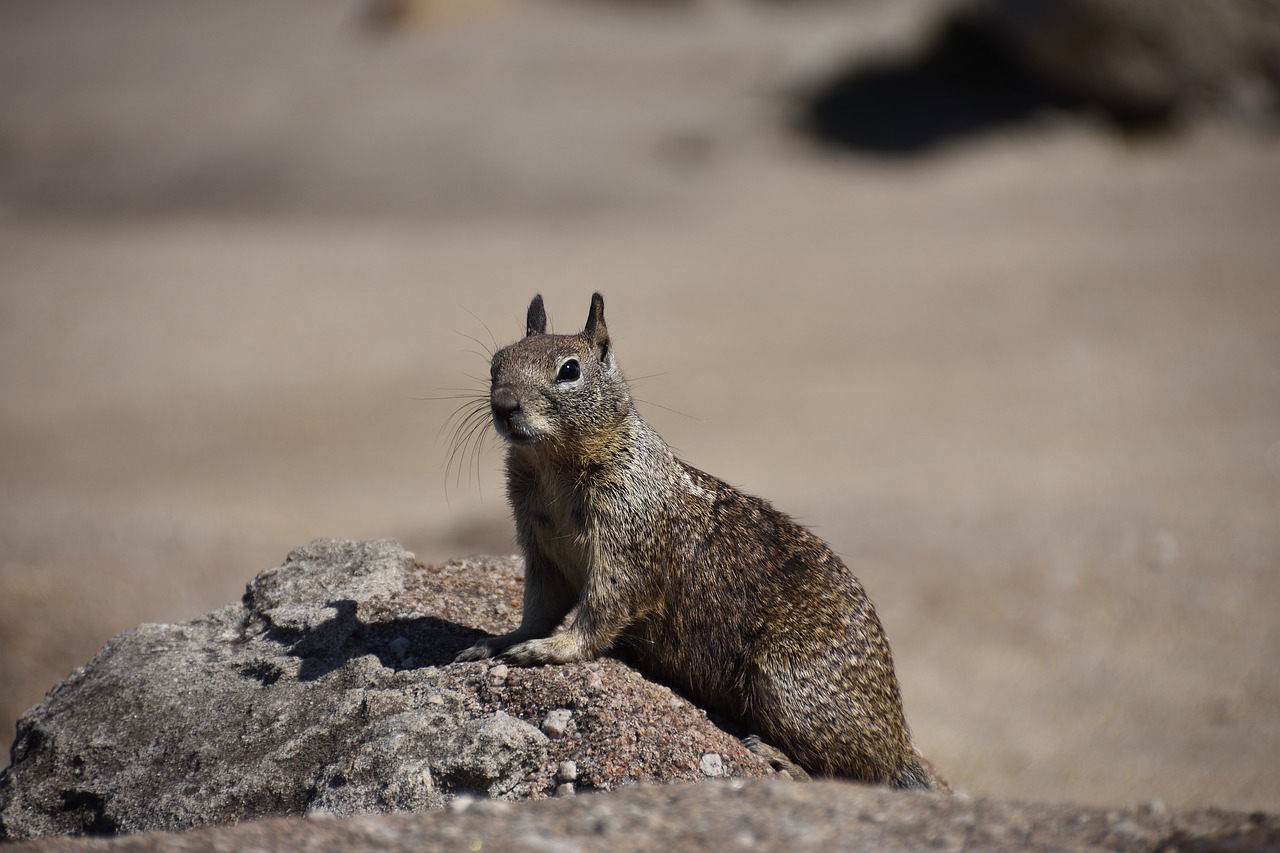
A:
x: 1028, y: 383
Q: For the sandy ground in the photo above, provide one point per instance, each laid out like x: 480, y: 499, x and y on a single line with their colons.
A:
x: 1028, y: 384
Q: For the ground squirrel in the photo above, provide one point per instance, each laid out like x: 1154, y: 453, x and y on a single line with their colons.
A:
x: 708, y: 589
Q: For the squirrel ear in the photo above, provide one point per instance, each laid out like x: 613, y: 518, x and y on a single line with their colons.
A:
x: 536, y: 322
x: 595, y: 329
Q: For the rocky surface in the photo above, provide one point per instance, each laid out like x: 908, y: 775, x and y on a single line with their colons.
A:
x: 330, y: 689
x: 737, y: 814
x: 323, y: 712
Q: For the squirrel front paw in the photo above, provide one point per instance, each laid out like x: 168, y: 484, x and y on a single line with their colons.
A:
x: 558, y: 649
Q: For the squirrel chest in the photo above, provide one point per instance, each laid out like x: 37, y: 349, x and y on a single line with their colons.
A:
x: 554, y: 513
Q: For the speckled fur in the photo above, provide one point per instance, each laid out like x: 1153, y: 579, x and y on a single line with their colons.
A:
x: 709, y: 589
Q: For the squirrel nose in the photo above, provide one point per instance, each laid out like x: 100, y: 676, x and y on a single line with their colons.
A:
x: 505, y: 402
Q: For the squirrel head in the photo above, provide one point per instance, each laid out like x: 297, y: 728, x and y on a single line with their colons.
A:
x: 558, y: 389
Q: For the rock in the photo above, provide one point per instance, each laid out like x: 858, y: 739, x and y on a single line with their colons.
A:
x: 557, y: 722
x: 330, y: 690
x: 1148, y: 59
x: 753, y: 814
x: 297, y: 702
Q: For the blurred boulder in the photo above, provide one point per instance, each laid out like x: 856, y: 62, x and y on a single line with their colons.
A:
x: 959, y: 83
x: 762, y: 814
x: 331, y: 689
x: 1147, y: 60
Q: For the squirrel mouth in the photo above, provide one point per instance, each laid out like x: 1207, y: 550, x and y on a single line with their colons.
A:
x: 515, y: 433
x: 521, y: 436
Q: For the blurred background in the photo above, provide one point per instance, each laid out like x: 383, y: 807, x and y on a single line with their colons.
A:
x: 988, y: 295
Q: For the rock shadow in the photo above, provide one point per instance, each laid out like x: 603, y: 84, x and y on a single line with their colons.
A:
x: 965, y: 82
x: 399, y: 644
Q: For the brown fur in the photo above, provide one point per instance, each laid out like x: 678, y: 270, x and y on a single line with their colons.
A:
x: 710, y: 590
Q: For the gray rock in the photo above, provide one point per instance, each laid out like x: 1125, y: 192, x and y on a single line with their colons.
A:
x: 299, y: 700
x: 557, y: 722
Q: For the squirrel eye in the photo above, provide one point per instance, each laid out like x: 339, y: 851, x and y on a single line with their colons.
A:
x: 569, y: 371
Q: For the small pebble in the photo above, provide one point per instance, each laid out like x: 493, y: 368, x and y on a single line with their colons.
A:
x: 565, y: 789
x: 557, y: 722
x: 498, y: 675
x: 567, y: 771
x: 712, y: 764
x: 399, y: 647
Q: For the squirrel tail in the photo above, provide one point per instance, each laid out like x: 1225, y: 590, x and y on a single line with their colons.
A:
x: 919, y: 773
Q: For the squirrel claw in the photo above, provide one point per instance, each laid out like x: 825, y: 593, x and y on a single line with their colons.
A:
x: 479, y: 651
